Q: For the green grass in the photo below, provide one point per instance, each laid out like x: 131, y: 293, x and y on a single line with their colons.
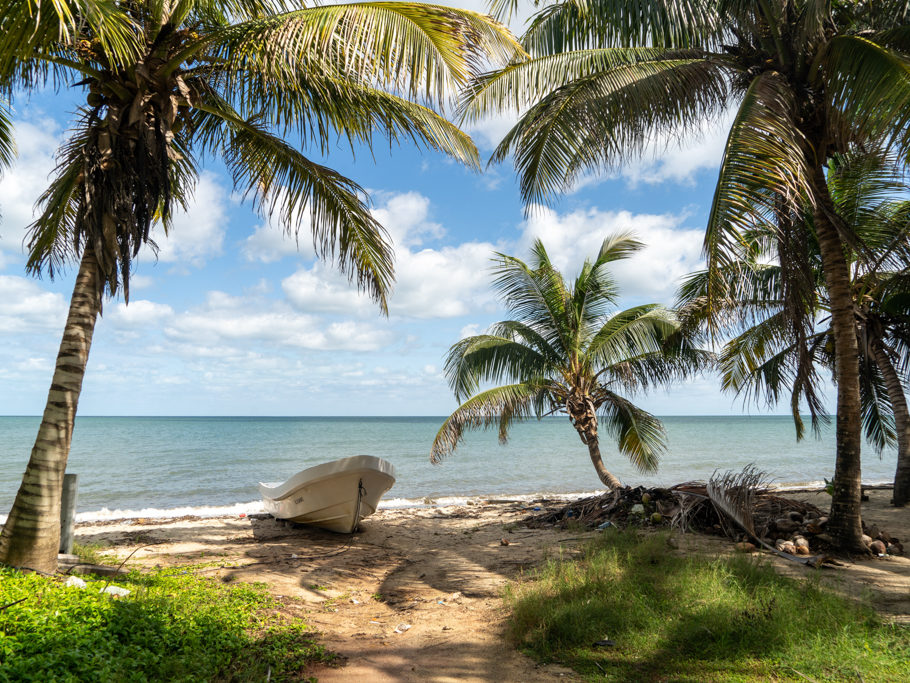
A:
x: 93, y: 553
x: 174, y: 626
x: 695, y: 618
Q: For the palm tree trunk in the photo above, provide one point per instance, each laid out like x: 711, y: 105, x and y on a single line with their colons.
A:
x: 31, y: 535
x: 610, y: 481
x: 584, y: 419
x: 845, y: 525
x: 901, y: 422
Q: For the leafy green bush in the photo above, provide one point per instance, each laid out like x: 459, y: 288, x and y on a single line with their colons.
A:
x: 697, y: 619
x: 173, y: 626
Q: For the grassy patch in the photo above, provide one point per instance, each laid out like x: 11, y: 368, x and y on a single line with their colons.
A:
x: 676, y: 618
x: 93, y: 553
x: 172, y: 626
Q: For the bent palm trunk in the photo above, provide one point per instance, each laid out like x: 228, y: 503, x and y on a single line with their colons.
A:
x: 901, y: 423
x: 584, y: 419
x: 31, y: 535
x: 845, y: 525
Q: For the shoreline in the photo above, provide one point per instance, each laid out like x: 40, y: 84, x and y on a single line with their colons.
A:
x: 255, y: 507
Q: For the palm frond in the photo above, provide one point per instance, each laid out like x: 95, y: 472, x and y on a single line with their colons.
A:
x: 592, y: 122
x: 869, y: 85
x: 632, y: 333
x: 578, y: 23
x: 488, y: 358
x: 291, y: 186
x: 495, y: 407
x: 418, y: 49
x: 639, y: 434
x: 535, y: 293
x: 7, y: 141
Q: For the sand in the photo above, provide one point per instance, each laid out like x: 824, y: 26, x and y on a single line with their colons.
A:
x: 416, y: 595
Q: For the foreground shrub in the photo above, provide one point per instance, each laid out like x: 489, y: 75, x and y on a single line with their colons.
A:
x: 173, y: 626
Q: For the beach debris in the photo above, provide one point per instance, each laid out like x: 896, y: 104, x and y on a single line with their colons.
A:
x: 769, y: 516
x: 355, y: 601
x: 503, y: 541
x: 746, y: 547
x: 604, y: 643
x: 401, y: 628
x: 446, y: 628
x: 116, y: 591
x: 878, y: 548
x: 75, y: 582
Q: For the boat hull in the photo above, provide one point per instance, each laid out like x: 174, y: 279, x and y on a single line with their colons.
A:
x: 334, y: 495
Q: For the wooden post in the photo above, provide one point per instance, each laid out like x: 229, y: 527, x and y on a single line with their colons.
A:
x: 68, y: 512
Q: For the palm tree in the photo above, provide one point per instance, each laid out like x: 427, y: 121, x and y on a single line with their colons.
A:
x: 227, y: 79
x: 566, y: 353
x: 805, y: 78
x: 785, y: 327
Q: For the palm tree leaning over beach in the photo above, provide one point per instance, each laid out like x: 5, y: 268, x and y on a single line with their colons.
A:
x: 783, y: 328
x: 805, y: 78
x: 232, y: 80
x: 567, y: 352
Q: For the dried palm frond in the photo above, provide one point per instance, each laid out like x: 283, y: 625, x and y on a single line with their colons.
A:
x: 733, y: 496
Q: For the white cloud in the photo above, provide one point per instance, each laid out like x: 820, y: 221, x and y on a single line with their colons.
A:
x: 141, y: 312
x: 489, y: 131
x: 270, y: 243
x: 405, y: 216
x: 668, y: 160
x: 141, y: 282
x: 26, y: 307
x: 471, y: 330
x: 251, y: 321
x: 429, y: 283
x: 671, y: 251
x: 22, y: 184
x: 443, y: 283
x: 198, y: 233
x: 322, y: 289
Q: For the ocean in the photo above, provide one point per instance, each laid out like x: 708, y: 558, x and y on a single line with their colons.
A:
x: 173, y: 466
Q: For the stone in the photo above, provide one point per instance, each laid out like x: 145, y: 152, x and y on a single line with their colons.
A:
x: 116, y: 591
x: 874, y: 532
x: 800, y: 542
x: 75, y: 582
x: 867, y: 539
x: 878, y: 548
x: 802, y: 550
x: 785, y: 525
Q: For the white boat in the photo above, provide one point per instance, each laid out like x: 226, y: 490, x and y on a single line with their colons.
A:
x: 334, y: 495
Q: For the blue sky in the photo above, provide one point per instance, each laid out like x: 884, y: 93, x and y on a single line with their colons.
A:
x: 233, y: 319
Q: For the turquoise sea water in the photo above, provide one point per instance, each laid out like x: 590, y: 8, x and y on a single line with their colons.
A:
x: 160, y: 466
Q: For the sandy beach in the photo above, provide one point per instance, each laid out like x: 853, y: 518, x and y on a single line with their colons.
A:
x: 416, y: 595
